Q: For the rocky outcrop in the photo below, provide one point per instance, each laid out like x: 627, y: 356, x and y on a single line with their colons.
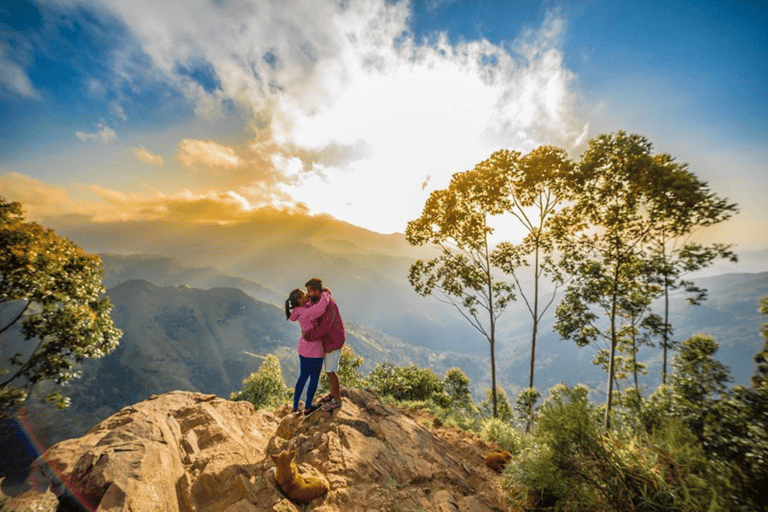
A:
x: 185, y: 452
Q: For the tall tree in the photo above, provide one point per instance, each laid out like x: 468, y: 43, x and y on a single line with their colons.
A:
x: 615, y: 209
x: 680, y: 205
x: 51, y: 291
x: 455, y: 220
x: 535, y: 189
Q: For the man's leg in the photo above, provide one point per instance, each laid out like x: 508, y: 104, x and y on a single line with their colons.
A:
x: 331, y: 367
x: 335, y: 389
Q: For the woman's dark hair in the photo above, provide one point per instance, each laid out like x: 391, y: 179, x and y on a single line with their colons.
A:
x: 292, y: 301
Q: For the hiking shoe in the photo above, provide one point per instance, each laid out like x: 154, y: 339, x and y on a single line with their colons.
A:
x: 312, y: 408
x: 331, y: 405
x: 326, y: 398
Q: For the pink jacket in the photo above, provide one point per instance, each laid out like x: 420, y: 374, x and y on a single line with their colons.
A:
x: 307, y: 316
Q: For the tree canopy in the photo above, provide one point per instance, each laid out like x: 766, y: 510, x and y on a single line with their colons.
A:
x: 456, y: 220
x: 52, y: 298
x: 629, y: 205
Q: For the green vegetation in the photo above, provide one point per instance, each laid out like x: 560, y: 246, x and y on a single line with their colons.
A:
x: 465, y: 273
x: 51, y: 294
x: 265, y: 389
x: 349, y: 372
x: 630, y: 209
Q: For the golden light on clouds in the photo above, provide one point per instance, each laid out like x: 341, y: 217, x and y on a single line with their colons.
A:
x: 193, y: 153
x: 146, y: 156
x: 36, y: 196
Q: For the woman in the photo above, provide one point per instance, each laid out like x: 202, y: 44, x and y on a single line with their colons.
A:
x: 298, y: 308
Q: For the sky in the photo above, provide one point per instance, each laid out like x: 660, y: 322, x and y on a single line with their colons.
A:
x: 201, y: 111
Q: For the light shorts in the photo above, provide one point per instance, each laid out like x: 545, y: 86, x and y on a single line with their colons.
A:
x: 331, y: 361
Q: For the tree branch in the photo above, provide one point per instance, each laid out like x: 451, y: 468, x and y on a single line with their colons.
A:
x: 26, y: 306
x: 23, y: 367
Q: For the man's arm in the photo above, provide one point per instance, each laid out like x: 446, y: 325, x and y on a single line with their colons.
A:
x: 324, y: 327
x: 316, y: 310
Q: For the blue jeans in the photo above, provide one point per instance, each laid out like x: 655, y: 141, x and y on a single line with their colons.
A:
x: 309, y: 368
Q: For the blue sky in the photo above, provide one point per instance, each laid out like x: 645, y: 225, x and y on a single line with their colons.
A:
x: 130, y: 109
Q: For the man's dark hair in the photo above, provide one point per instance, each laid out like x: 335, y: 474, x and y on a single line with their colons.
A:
x: 315, y: 283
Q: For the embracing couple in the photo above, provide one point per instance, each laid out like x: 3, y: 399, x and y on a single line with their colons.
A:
x: 322, y: 336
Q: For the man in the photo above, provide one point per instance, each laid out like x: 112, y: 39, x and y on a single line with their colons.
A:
x: 330, y: 330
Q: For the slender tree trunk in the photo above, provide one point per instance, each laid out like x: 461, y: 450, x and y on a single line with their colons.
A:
x: 634, y: 363
x: 665, y: 341
x: 535, y: 313
x: 492, y: 339
x: 612, y: 363
x: 493, y: 371
x: 528, y: 424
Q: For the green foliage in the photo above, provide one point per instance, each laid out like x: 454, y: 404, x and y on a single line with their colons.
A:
x: 697, y: 381
x: 508, y: 438
x: 525, y: 405
x: 405, y: 383
x: 456, y: 386
x: 449, y: 400
x: 699, y: 376
x: 504, y: 411
x: 735, y: 434
x: 52, y: 291
x: 349, y: 371
x: 573, y: 466
x: 631, y: 208
x: 265, y: 389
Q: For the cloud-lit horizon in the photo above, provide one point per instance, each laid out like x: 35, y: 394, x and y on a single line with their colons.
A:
x: 209, y: 111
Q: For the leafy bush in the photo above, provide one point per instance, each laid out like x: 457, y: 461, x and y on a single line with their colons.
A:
x: 736, y: 435
x: 525, y: 406
x: 265, y: 389
x: 508, y: 438
x: 405, y: 383
x: 503, y: 409
x: 456, y: 386
x: 573, y: 466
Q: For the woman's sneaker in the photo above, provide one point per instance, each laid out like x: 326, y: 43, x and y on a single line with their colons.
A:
x: 312, y: 408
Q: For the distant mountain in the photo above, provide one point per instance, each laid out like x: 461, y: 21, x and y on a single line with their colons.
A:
x: 169, y: 271
x: 367, y: 271
x: 730, y: 315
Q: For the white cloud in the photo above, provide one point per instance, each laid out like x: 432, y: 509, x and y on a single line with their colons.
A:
x: 104, y: 134
x: 582, y: 138
x: 324, y: 74
x: 14, y: 79
x: 192, y: 152
x: 146, y: 156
